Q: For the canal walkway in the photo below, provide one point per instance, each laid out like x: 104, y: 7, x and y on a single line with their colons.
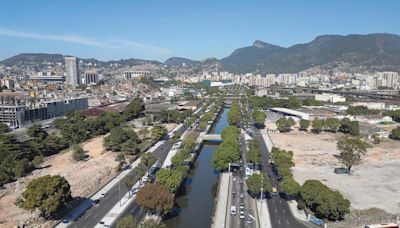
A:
x: 221, y: 211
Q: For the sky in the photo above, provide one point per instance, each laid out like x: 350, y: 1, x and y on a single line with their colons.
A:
x: 151, y: 29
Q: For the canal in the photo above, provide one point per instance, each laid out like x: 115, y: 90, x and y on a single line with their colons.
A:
x: 196, y: 201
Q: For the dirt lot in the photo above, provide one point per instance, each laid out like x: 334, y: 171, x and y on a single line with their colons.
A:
x: 84, y: 177
x: 375, y: 183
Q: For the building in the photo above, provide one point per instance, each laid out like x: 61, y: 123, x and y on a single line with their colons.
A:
x: 327, y: 97
x: 7, y: 83
x: 72, y: 71
x: 17, y: 110
x: 47, y: 77
x: 292, y: 113
x: 388, y: 79
x: 371, y: 105
x: 135, y: 74
x: 91, y: 77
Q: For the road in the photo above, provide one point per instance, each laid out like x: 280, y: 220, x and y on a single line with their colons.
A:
x: 93, y: 216
x: 279, y: 210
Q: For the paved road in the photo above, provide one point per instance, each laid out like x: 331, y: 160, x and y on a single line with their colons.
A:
x: 93, y: 216
x: 280, y: 214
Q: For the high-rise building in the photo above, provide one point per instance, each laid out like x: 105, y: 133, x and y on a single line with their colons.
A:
x: 91, y: 77
x: 72, y: 71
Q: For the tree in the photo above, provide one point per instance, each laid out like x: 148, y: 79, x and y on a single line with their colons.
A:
x: 325, y: 203
x: 48, y: 193
x: 304, y: 124
x: 133, y: 109
x: 79, y: 154
x: 124, y: 140
x: 22, y: 167
x: 253, y: 154
x: 349, y: 127
x: 127, y: 221
x: 159, y: 132
x: 259, y: 117
x: 284, y: 125
x: 144, y: 132
x: 36, y: 131
x: 151, y: 223
x: 290, y: 187
x: 37, y: 160
x: 351, y: 151
x: 148, y: 159
x: 234, y: 114
x: 376, y: 139
x: 155, y: 197
x: 395, y: 134
x: 318, y: 125
x: 169, y: 178
x: 4, y: 128
x: 256, y: 181
x: 332, y: 124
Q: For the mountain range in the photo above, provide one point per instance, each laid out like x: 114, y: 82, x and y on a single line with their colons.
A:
x: 351, y: 52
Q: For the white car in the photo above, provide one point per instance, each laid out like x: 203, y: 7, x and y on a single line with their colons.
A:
x: 234, y: 179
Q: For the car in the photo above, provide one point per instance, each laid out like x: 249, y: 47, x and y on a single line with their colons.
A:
x: 274, y: 191
x: 248, y: 221
x: 341, y: 171
x: 95, y: 202
x: 234, y: 179
x: 240, y: 181
x: 241, y: 195
x: 134, y: 190
x: 241, y: 206
x: 233, y: 191
x: 233, y: 210
x: 241, y: 216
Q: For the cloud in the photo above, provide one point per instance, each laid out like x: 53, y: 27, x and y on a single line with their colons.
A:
x: 141, y: 47
x: 117, y: 44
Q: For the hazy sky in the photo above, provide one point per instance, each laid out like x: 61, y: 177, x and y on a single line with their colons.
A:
x: 193, y: 29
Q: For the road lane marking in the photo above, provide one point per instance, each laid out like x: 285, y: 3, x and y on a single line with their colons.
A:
x: 276, y: 211
x: 279, y: 221
x: 287, y: 221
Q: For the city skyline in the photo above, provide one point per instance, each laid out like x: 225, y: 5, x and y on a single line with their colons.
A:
x: 192, y: 30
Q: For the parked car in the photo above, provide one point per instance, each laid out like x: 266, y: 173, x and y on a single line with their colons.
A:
x: 233, y: 210
x: 274, y: 191
x: 341, y: 171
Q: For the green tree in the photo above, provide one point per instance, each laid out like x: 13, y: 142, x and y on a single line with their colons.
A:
x: 159, y: 132
x: 148, y: 159
x: 169, y: 178
x: 253, y: 154
x: 332, y: 124
x: 127, y: 221
x: 79, y: 154
x: 351, y: 151
x: 37, y: 131
x: 144, y: 132
x: 325, y: 203
x: 395, y: 134
x: 290, y: 187
x: 151, y: 223
x: 4, y: 128
x: 133, y: 110
x: 256, y: 181
x: 48, y: 193
x: 124, y: 140
x: 259, y: 117
x: 284, y: 124
x: 304, y: 124
x: 376, y: 139
x: 156, y: 198
x: 37, y: 160
x: 22, y: 167
x: 318, y: 125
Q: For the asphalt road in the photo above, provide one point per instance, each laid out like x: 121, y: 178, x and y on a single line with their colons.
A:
x: 280, y: 214
x: 93, y: 216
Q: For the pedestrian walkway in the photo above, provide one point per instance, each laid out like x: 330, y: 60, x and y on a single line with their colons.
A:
x: 222, y: 202
x: 111, y: 217
x: 299, y: 214
x: 263, y: 214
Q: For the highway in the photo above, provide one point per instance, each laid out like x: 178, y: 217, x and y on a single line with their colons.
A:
x: 93, y: 216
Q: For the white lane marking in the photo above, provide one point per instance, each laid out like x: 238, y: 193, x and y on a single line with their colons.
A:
x: 276, y: 211
x: 279, y: 221
x: 273, y: 201
x: 287, y: 221
x: 284, y: 211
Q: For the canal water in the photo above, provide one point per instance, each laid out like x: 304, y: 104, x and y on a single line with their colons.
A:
x: 196, y: 201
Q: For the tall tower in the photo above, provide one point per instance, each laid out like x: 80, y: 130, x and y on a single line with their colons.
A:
x: 72, y: 71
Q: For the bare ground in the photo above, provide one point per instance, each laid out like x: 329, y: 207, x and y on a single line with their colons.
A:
x: 84, y: 177
x: 374, y: 183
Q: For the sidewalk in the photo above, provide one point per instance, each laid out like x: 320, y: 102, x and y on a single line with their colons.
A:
x: 299, y: 214
x: 222, y: 202
x: 263, y: 214
x: 112, y: 216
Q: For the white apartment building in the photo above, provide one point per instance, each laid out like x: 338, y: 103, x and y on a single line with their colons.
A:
x: 72, y: 71
x: 388, y: 79
x: 287, y: 79
x: 328, y: 97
